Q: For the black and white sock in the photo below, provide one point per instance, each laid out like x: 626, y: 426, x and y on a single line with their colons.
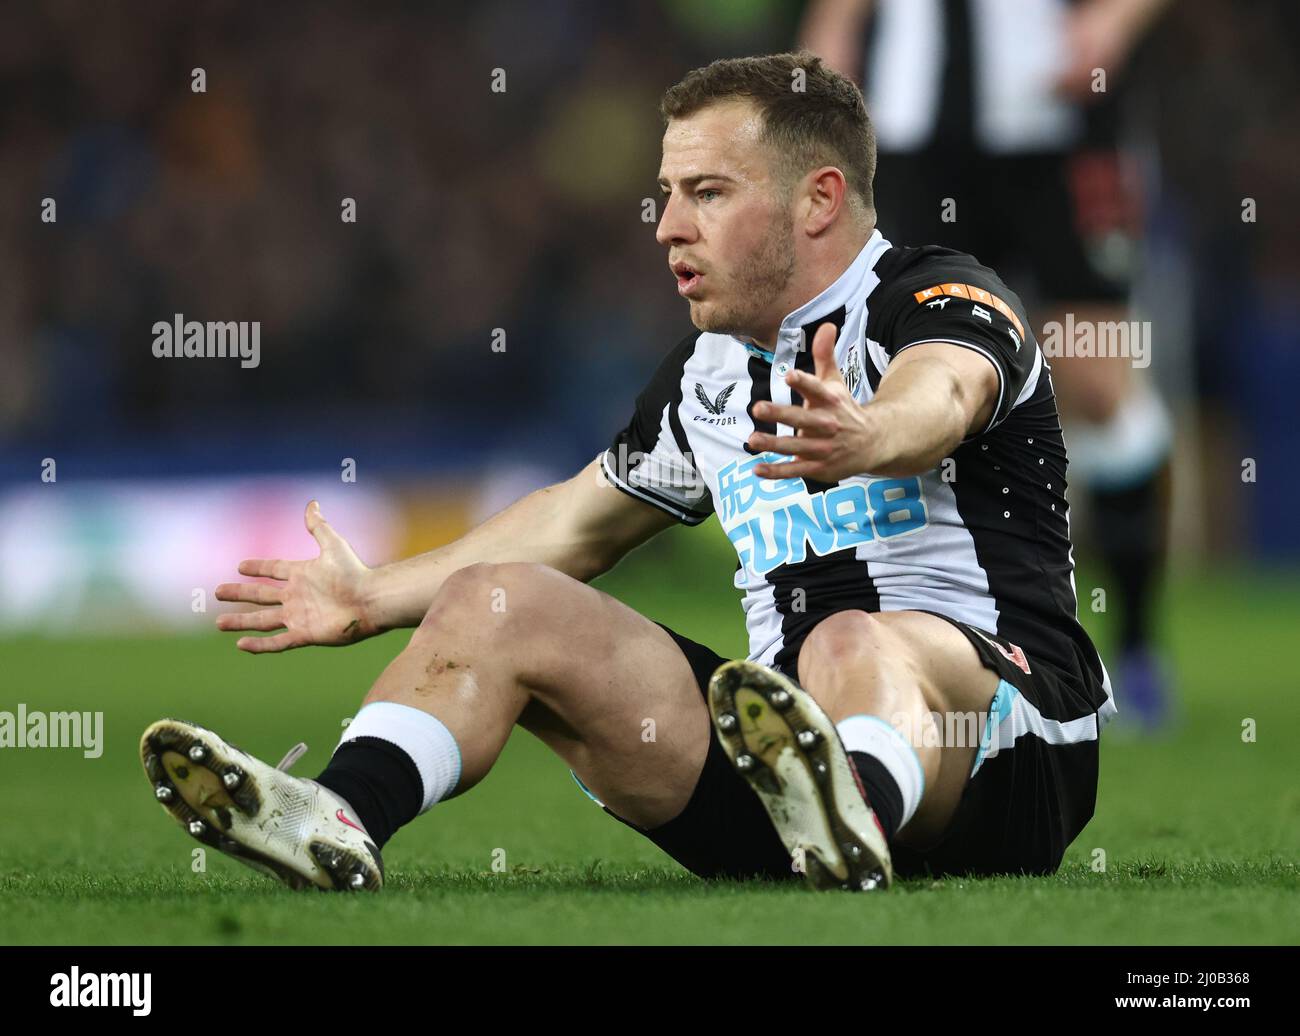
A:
x: 888, y: 767
x: 392, y: 764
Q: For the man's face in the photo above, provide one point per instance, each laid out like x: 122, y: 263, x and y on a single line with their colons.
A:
x: 726, y: 221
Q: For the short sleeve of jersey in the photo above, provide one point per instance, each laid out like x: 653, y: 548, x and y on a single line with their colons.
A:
x: 949, y: 297
x: 650, y: 458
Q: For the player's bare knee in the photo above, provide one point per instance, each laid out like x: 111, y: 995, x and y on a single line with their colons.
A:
x: 473, y: 597
x: 852, y: 662
x: 461, y: 594
x: 840, y: 640
x: 503, y: 597
x: 526, y: 598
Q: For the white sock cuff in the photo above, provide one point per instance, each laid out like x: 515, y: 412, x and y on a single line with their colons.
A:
x: 875, y: 737
x: 421, y: 736
x: 1128, y: 448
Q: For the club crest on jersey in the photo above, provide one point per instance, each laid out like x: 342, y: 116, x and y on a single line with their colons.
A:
x: 717, y: 407
x: 851, y: 372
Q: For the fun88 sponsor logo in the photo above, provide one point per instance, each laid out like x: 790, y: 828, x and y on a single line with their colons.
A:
x: 774, y: 522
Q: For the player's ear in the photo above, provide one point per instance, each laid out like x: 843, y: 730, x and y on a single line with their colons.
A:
x: 827, y: 194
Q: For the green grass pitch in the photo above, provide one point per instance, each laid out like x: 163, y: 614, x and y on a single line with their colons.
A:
x: 1200, y: 829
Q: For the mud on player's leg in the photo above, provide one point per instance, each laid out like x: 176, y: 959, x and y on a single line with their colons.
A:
x: 579, y: 669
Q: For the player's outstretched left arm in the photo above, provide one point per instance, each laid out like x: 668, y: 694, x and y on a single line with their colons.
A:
x: 316, y: 601
x: 581, y: 527
x: 932, y: 396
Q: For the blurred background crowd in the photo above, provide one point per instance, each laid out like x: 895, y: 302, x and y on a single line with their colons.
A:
x: 518, y: 210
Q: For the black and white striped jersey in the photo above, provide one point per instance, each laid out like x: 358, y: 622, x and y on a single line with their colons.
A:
x: 983, y: 538
x: 977, y: 74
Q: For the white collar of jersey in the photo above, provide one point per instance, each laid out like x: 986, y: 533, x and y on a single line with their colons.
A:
x: 790, y: 336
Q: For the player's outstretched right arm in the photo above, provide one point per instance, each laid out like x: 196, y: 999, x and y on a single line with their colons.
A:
x: 581, y: 527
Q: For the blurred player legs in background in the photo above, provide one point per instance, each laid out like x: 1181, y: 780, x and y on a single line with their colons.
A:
x: 999, y: 137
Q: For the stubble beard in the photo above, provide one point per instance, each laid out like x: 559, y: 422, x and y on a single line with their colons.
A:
x: 760, y: 278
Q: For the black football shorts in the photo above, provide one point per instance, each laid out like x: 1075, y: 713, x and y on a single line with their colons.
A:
x: 1057, y: 226
x: 1032, y: 791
